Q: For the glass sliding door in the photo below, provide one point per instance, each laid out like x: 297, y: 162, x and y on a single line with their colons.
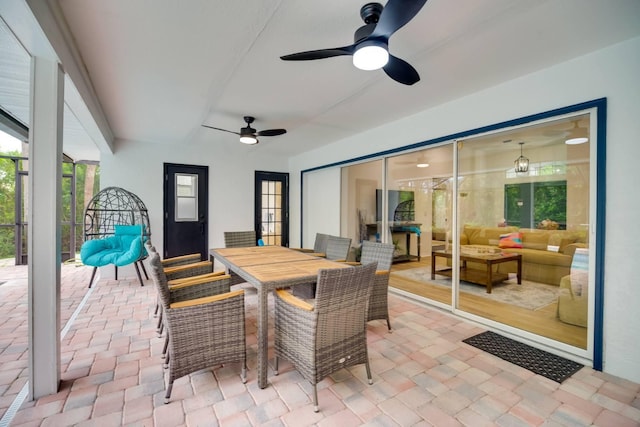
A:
x: 523, y: 220
x: 498, y: 226
x: 419, y: 212
x: 361, y: 184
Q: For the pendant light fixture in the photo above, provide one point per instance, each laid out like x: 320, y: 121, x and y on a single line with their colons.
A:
x: 522, y: 163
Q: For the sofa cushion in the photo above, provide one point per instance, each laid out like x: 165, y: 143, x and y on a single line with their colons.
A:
x: 535, y: 256
x: 534, y: 239
x: 510, y: 240
x: 557, y: 236
x: 486, y: 235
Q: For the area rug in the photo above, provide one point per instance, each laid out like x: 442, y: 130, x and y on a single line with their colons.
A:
x: 538, y: 361
x: 529, y: 295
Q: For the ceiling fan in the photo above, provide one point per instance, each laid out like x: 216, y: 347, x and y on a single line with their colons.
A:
x: 420, y: 160
x: 249, y: 135
x: 370, y: 49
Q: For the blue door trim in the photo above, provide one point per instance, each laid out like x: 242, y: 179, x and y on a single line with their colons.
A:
x: 601, y: 156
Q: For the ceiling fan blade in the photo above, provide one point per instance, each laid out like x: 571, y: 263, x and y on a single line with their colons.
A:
x: 395, y: 15
x: 271, y: 132
x: 223, y: 130
x: 401, y: 71
x: 319, y: 54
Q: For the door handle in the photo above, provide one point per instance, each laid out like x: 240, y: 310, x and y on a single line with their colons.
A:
x: 201, y: 221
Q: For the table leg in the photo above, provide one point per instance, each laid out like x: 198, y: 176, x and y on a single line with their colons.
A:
x: 408, y: 244
x: 489, y: 277
x: 519, y: 261
x: 263, y: 345
x: 433, y: 265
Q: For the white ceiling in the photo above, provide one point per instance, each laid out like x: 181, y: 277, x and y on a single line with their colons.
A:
x: 161, y: 69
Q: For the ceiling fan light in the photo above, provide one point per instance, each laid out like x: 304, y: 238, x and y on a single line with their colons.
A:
x: 248, y: 139
x: 576, y: 141
x: 576, y: 136
x: 370, y: 56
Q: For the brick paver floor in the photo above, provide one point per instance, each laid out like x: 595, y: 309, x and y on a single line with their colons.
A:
x: 423, y: 375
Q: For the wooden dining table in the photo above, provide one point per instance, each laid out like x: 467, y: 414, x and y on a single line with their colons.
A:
x: 267, y: 268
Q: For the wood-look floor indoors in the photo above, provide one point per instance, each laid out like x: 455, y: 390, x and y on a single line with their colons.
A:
x: 543, y: 322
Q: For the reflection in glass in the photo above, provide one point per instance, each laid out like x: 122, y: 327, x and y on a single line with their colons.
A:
x: 541, y: 215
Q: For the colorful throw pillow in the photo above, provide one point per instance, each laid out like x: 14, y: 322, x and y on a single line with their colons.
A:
x: 511, y: 240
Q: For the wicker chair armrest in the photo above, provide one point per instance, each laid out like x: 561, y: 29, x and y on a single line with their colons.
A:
x: 180, y: 260
x: 198, y: 290
x: 176, y: 282
x: 382, y: 272
x: 207, y: 300
x: 195, y: 269
x: 199, y: 281
x: 293, y: 300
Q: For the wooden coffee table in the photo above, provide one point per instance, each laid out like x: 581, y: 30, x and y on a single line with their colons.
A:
x: 485, y: 277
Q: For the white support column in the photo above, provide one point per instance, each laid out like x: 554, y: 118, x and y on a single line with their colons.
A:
x: 44, y: 232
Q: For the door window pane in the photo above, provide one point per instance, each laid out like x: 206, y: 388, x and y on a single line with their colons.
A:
x: 186, y: 197
x: 270, y: 213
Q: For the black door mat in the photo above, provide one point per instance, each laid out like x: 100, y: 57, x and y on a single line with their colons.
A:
x: 548, y: 365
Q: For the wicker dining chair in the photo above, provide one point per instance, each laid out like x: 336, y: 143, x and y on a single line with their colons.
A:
x: 382, y: 254
x: 203, y: 332
x: 189, y: 273
x: 199, y: 284
x: 181, y: 260
x: 319, y: 245
x: 337, y: 249
x: 186, y: 267
x: 323, y: 338
x: 239, y: 239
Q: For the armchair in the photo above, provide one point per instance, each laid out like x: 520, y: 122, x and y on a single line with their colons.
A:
x: 239, y: 239
x: 574, y: 290
x: 319, y: 246
x: 323, y: 338
x: 337, y: 249
x: 202, y: 332
x: 181, y: 260
x: 177, y: 273
x: 382, y: 255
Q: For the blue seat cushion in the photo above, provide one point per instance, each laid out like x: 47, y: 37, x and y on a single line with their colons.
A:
x: 123, y: 248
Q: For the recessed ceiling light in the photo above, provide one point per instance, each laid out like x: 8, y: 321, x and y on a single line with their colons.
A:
x: 423, y: 165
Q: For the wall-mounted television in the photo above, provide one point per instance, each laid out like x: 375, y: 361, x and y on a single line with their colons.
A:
x: 396, y: 197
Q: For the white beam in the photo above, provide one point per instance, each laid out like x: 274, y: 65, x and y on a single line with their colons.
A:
x: 44, y: 232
